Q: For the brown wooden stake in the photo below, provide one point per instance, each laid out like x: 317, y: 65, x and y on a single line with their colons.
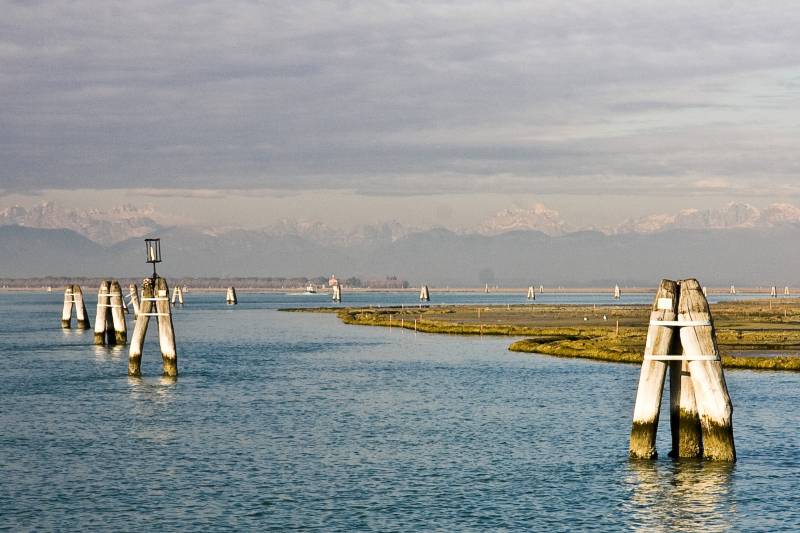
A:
x: 653, y: 372
x: 230, y: 297
x: 140, y: 329
x: 66, y: 312
x: 81, y: 317
x: 160, y: 296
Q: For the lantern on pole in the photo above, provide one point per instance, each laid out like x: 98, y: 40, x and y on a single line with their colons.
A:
x: 153, y: 247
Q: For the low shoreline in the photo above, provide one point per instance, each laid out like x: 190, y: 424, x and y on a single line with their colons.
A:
x: 746, y: 330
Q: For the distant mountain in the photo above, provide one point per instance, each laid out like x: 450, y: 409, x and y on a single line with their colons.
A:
x: 536, y: 218
x: 748, y: 256
x: 732, y: 216
x: 101, y: 226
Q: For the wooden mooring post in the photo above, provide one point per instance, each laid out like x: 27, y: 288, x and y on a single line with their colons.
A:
x: 155, y: 294
x: 424, y: 294
x: 531, y: 293
x: 336, y: 293
x: 617, y: 292
x: 73, y: 298
x: 701, y: 413
x: 133, y: 291
x: 110, y: 327
x: 230, y: 296
x: 177, y: 295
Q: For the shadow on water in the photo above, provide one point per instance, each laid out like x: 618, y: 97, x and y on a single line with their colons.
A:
x: 685, y: 495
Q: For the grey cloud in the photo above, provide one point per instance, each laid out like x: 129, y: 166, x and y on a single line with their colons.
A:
x: 390, y: 96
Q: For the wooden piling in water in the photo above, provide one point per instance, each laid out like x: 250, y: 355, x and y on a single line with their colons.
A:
x: 134, y: 294
x: 336, y: 294
x: 786, y: 291
x: 711, y: 392
x: 73, y: 299
x: 154, y: 293
x: 424, y: 294
x: 773, y: 292
x: 230, y: 296
x: 617, y: 293
x: 733, y: 289
x: 117, y: 303
x: 684, y: 419
x: 103, y: 321
x: 653, y: 372
x: 177, y: 295
x: 531, y: 293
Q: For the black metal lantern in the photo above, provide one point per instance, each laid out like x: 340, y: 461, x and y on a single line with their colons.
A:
x: 153, y: 247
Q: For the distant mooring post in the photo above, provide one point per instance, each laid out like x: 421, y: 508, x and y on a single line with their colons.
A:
x: 541, y: 289
x: 133, y: 291
x: 73, y: 297
x: 424, y: 294
x: 705, y: 290
x: 110, y: 327
x: 531, y: 293
x: 682, y: 334
x: 773, y: 292
x: 177, y: 295
x: 786, y: 291
x: 336, y: 292
x: 486, y: 289
x: 616, y: 292
x: 154, y: 291
x: 230, y: 296
x: 733, y: 289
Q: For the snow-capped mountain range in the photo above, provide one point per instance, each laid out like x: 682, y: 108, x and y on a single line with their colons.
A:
x: 127, y: 221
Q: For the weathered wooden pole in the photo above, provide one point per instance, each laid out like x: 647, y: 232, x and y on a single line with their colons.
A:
x: 158, y: 295
x: 773, y: 292
x: 733, y: 289
x: 140, y: 329
x: 541, y: 289
x: 336, y: 294
x: 705, y: 290
x: 117, y: 313
x: 66, y: 312
x: 486, y: 289
x: 230, y: 296
x: 653, y: 372
x: 684, y: 419
x: 531, y: 293
x: 616, y: 292
x: 786, y: 291
x: 711, y: 392
x: 73, y: 298
x: 166, y: 332
x: 134, y: 293
x: 103, y: 320
x: 424, y: 294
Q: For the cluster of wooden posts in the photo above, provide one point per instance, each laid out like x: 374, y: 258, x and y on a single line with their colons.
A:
x: 110, y: 327
x: 681, y: 337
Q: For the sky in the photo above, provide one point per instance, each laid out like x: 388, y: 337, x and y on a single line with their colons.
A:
x: 243, y: 112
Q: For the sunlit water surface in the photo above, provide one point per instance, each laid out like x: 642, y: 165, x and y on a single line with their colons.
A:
x: 293, y: 420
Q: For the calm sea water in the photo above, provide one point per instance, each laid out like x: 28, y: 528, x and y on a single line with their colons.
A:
x: 294, y: 421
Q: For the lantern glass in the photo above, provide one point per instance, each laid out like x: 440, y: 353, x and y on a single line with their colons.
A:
x: 153, y: 250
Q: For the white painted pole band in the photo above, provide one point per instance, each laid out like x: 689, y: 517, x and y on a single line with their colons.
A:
x: 680, y: 323
x: 682, y: 357
x: 155, y: 299
x: 153, y: 314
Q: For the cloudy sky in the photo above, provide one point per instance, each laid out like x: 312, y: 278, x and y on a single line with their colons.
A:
x: 432, y: 112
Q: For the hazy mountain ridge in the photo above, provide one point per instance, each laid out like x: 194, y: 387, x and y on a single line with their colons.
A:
x: 438, y: 257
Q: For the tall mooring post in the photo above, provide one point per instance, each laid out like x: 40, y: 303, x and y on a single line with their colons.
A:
x: 155, y: 295
x: 617, y: 292
x: 73, y: 298
x: 701, y: 413
x: 110, y: 327
x: 531, y: 293
x: 336, y: 293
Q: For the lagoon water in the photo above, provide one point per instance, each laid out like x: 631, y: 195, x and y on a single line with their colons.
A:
x: 295, y: 421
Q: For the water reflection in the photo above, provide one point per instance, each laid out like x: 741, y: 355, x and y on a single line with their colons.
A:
x: 685, y: 495
x: 110, y: 353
